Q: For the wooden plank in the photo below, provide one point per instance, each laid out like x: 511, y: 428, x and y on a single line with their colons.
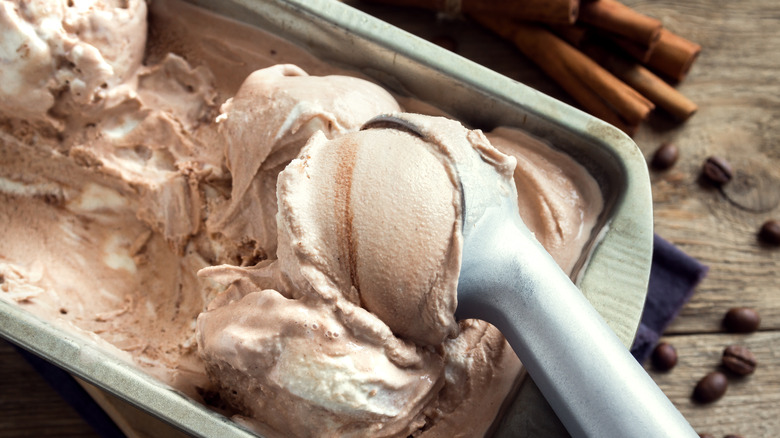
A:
x: 735, y: 86
x: 751, y: 405
x: 29, y: 407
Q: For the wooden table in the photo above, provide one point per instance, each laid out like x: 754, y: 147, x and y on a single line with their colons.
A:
x: 735, y: 83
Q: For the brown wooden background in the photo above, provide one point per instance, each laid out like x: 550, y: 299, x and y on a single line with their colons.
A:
x: 735, y: 83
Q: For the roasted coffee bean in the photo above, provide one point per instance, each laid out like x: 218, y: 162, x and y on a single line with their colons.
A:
x: 742, y: 320
x: 739, y: 360
x: 664, y: 356
x: 731, y: 435
x: 770, y: 232
x: 711, y: 387
x: 665, y: 156
x: 717, y: 170
x: 705, y: 435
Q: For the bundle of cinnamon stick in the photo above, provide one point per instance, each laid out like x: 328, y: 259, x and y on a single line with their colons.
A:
x: 617, y: 63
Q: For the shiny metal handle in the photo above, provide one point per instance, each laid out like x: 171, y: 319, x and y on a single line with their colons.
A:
x: 590, y: 379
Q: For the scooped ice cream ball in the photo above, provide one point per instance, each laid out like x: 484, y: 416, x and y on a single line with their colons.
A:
x: 375, y: 215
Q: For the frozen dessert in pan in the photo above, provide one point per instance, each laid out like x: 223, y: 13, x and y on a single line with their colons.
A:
x: 353, y: 327
x: 175, y: 192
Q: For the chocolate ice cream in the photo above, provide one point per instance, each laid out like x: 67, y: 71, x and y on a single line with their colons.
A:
x: 139, y: 159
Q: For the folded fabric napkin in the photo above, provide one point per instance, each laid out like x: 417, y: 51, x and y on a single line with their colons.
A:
x: 674, y: 276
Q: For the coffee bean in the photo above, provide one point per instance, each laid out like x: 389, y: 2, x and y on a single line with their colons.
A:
x: 742, y: 320
x: 770, y: 232
x: 717, y: 170
x: 739, y: 360
x: 664, y: 356
x: 711, y: 387
x: 731, y: 435
x: 705, y: 435
x: 665, y: 156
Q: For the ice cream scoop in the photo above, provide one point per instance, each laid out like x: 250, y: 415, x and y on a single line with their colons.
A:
x: 507, y: 278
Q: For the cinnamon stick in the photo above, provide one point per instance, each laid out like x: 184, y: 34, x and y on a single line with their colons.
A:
x: 645, y: 82
x: 598, y: 91
x: 673, y: 55
x: 580, y: 35
x: 547, y: 11
x: 615, y: 17
x: 576, y: 35
x: 434, y: 5
x: 604, y: 51
x: 637, y: 51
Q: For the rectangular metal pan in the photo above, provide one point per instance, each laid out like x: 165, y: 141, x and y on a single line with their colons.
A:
x: 620, y: 257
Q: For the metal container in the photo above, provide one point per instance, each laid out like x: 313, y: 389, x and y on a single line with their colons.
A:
x: 614, y: 278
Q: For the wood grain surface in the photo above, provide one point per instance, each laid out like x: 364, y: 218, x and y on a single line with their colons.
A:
x: 29, y: 407
x: 735, y: 83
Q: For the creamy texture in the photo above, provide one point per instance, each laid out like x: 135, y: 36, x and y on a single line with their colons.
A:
x: 135, y: 195
x: 66, y: 56
x: 558, y: 200
x: 369, y: 221
x: 370, y: 216
x: 281, y: 358
x: 290, y: 106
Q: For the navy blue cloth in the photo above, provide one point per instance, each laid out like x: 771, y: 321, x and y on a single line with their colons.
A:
x: 674, y: 276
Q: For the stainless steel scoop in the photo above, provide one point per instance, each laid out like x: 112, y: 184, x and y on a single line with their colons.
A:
x: 594, y: 385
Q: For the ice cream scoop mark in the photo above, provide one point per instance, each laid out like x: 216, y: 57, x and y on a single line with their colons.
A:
x: 392, y: 122
x: 343, y: 184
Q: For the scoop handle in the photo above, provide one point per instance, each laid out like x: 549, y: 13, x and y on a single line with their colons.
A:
x: 594, y: 385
